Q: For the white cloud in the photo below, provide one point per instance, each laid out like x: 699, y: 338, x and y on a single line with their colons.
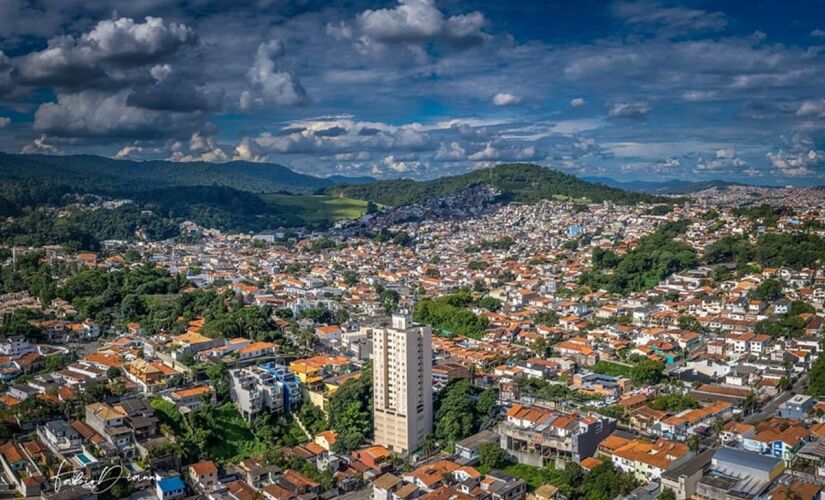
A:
x: 411, y: 24
x: 276, y: 87
x: 100, y: 53
x: 795, y: 163
x: 40, y: 146
x: 453, y: 151
x: 93, y: 113
x: 675, y: 19
x: 504, y: 153
x: 128, y: 151
x: 814, y: 107
x: 637, y: 109
x: 576, y: 102
x: 201, y: 148
x: 505, y: 99
x: 700, y: 95
x: 160, y: 72
x: 4, y: 121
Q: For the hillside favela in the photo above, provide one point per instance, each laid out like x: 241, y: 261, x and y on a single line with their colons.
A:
x: 412, y: 250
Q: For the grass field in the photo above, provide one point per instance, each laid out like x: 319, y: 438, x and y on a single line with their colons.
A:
x: 167, y: 413
x: 533, y: 476
x: 237, y: 441
x: 612, y: 369
x: 318, y: 208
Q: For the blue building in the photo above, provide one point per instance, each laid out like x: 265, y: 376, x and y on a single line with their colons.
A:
x: 797, y: 407
x: 574, y: 231
x: 289, y: 383
x: 170, y: 487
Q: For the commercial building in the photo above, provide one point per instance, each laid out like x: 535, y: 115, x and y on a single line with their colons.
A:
x: 402, y: 384
x: 736, y: 473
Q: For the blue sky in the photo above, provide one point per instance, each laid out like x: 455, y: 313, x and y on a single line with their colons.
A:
x: 423, y: 88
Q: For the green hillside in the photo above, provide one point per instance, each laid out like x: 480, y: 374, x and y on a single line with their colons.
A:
x: 99, y: 174
x: 520, y: 182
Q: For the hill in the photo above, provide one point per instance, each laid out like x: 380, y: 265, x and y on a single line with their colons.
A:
x: 671, y: 186
x: 519, y: 182
x: 105, y: 175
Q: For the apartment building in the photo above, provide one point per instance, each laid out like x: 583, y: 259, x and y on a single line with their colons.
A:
x: 536, y: 436
x: 254, y: 389
x: 111, y: 424
x: 402, y: 384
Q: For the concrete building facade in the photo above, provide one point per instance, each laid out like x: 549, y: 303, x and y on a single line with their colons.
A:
x: 402, y: 384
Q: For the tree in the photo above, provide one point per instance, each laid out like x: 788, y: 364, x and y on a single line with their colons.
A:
x: 689, y: 323
x: 454, y: 419
x: 350, y: 409
x: 666, y: 494
x: 218, y: 375
x: 486, y: 404
x: 492, y: 457
x: 347, y: 441
x: 55, y: 362
x: 647, y: 372
x: 693, y: 442
x: 769, y: 290
x: 546, y: 318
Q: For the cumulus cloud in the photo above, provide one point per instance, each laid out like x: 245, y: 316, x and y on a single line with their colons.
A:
x: 795, y: 164
x: 201, y: 147
x: 452, y: 151
x: 99, y: 56
x: 410, y: 23
x: 576, y: 102
x: 4, y: 121
x: 726, y: 160
x: 492, y: 151
x: 636, y: 109
x: 40, y: 146
x: 342, y: 134
x: 276, y: 87
x: 128, y: 151
x: 505, y: 99
x: 814, y: 108
x: 94, y: 113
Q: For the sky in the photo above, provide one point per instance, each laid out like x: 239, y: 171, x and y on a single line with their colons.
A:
x: 631, y: 89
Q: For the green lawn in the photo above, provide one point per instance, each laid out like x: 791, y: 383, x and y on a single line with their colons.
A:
x: 318, y: 208
x: 237, y: 441
x: 612, y: 369
x: 534, y: 476
x: 167, y: 413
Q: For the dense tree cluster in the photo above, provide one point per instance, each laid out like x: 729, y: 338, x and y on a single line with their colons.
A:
x: 451, y: 314
x: 657, y: 256
x: 794, y: 250
x: 350, y: 412
x: 459, y: 413
x: 673, y: 403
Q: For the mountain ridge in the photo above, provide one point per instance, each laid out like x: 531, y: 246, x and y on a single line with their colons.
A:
x: 99, y: 173
x: 519, y: 182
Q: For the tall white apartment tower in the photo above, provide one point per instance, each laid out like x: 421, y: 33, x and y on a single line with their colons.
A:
x: 402, y: 384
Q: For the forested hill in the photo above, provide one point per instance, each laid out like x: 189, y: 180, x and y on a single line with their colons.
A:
x: 520, y: 182
x: 99, y: 174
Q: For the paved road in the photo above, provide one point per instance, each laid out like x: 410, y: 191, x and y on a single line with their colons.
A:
x: 770, y: 409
